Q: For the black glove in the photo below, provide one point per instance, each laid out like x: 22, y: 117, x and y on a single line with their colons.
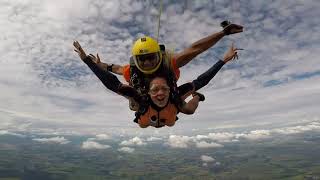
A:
x: 201, y: 96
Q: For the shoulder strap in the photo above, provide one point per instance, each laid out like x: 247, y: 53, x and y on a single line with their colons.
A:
x: 131, y: 62
x: 137, y: 80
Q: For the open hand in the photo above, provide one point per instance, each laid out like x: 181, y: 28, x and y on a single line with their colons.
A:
x: 231, y: 54
x: 79, y: 50
x: 95, y: 59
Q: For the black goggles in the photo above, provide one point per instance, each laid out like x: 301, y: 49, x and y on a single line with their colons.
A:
x: 150, y: 57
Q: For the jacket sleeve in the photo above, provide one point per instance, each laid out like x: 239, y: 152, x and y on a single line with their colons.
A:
x: 206, y: 77
x: 110, y: 81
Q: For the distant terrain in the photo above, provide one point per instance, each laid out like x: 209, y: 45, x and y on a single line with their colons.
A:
x: 296, y: 157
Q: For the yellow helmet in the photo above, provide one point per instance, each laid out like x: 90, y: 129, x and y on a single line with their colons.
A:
x: 147, y: 48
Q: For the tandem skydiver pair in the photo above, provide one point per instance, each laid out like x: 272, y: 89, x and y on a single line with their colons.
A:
x: 152, y: 76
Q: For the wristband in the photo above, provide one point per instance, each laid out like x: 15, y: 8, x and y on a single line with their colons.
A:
x: 109, y: 68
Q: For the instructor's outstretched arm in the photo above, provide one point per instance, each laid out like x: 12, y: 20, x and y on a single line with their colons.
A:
x: 203, y: 44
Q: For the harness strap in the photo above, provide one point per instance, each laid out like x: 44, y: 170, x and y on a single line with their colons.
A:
x: 138, y: 81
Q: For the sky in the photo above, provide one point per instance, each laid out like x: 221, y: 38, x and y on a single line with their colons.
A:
x: 46, y: 88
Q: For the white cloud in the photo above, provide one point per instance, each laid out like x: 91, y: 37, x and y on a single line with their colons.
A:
x: 58, y: 89
x: 200, y: 137
x: 179, y: 141
x: 5, y: 132
x: 58, y: 140
x: 176, y: 141
x: 102, y: 137
x: 154, y: 139
x: 126, y: 149
x: 313, y: 126
x: 255, y: 135
x: 136, y: 141
x: 204, y: 144
x: 94, y: 145
x: 206, y: 158
x: 205, y: 164
x: 221, y: 137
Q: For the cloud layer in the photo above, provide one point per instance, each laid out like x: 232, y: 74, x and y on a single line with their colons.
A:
x: 214, y: 140
x: 45, y: 86
x: 58, y: 140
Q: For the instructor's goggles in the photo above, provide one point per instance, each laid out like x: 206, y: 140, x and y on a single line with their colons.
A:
x: 150, y: 57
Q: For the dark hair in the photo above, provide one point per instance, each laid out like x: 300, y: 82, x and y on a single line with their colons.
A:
x: 159, y: 76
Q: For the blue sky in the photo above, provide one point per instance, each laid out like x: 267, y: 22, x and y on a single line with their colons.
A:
x: 44, y: 87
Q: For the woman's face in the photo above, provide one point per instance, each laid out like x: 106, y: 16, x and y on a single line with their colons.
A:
x: 159, y: 92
